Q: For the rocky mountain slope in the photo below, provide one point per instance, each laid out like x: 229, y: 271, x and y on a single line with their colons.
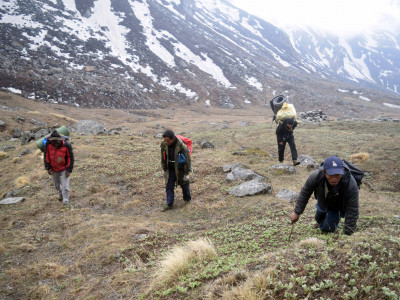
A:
x: 152, y: 53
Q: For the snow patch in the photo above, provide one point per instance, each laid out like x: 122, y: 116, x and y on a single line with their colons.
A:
x: 13, y: 90
x: 391, y: 105
x: 364, y: 98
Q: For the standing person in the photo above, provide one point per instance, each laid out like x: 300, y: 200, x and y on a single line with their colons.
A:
x: 59, y: 162
x: 284, y: 133
x: 175, y: 161
x: 336, y: 191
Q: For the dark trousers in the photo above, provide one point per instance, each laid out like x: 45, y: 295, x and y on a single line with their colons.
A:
x: 281, y: 148
x: 328, y: 220
x: 170, y: 188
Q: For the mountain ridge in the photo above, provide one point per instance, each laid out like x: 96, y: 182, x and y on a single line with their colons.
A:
x: 149, y: 54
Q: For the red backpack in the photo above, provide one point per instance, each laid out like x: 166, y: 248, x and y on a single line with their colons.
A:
x: 188, y: 142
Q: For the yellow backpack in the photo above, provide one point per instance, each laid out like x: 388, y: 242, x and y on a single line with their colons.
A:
x: 287, y: 111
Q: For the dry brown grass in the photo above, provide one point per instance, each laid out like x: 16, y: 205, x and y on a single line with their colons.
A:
x: 21, y: 182
x: 64, y: 117
x: 359, y: 157
x: 3, y: 155
x: 242, y: 285
x: 314, y: 242
x: 176, y: 262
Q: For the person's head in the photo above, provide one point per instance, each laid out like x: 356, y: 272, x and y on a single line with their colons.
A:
x: 169, y: 137
x: 333, y: 170
x: 289, y: 122
x: 55, y: 139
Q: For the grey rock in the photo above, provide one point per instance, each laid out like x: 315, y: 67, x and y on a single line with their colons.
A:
x: 244, y: 124
x: 141, y: 236
x: 16, y: 133
x: 282, y: 168
x: 288, y: 195
x: 26, y: 137
x: 228, y: 168
x: 17, y: 192
x: 12, y: 200
x: 308, y: 161
x: 250, y: 188
x: 2, y: 124
x: 205, y: 144
x: 41, y: 133
x: 88, y: 127
x: 240, y: 173
x: 26, y: 151
x: 158, y: 135
x: 8, y: 148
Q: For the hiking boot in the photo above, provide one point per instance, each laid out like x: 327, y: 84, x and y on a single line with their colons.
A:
x: 296, y: 163
x: 65, y: 203
x: 187, y: 202
x: 316, y: 225
x: 167, y: 207
x: 60, y: 198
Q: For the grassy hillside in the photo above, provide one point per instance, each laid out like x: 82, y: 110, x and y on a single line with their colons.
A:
x: 113, y: 242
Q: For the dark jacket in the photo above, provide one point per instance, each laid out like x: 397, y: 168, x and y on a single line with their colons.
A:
x: 344, y: 197
x: 59, y: 159
x: 180, y: 147
x: 283, y: 132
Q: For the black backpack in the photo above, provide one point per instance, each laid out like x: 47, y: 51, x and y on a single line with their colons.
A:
x: 355, y: 172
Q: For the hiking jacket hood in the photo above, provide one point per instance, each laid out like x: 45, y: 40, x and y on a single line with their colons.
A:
x: 344, y: 197
x: 59, y: 159
x: 183, y: 170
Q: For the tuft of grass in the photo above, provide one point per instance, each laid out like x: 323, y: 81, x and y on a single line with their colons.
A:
x: 3, y: 155
x: 177, y: 261
x: 16, y: 160
x: 64, y: 117
x: 311, y: 242
x: 21, y: 182
x: 359, y: 157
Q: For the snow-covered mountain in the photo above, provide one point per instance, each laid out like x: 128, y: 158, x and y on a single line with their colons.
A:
x: 150, y: 53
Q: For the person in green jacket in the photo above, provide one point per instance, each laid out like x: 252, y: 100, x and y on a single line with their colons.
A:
x: 175, y: 161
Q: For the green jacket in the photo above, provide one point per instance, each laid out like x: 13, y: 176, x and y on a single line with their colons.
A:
x: 183, y: 170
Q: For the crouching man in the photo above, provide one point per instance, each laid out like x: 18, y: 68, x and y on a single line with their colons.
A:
x: 337, y: 196
x: 59, y: 162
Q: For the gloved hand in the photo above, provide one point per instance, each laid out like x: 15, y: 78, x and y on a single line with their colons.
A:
x: 186, y: 178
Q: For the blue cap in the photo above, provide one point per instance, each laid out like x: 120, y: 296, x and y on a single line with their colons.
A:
x: 333, y: 166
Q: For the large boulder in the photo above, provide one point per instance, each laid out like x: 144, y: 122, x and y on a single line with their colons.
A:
x: 308, y: 161
x: 41, y: 133
x: 240, y: 173
x: 88, y: 127
x: 250, y: 188
x: 288, y: 195
x: 282, y: 169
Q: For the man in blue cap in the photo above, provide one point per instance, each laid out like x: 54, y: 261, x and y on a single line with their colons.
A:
x: 336, y: 192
